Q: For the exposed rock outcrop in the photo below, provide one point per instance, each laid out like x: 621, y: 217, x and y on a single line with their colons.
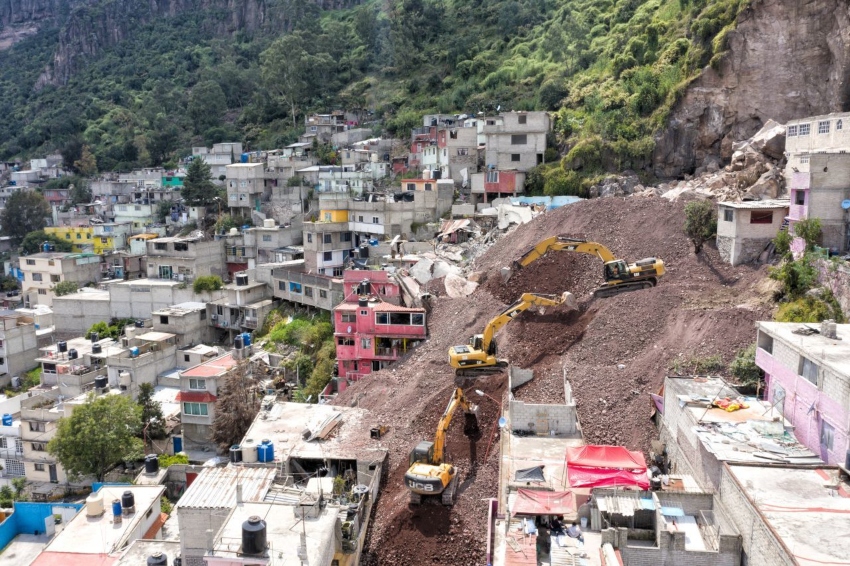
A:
x: 786, y: 59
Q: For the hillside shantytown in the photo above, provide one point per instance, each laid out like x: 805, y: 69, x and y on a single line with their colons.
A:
x: 332, y: 284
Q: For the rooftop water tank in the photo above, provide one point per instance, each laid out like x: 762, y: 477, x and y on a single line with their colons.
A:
x: 7, y: 419
x: 254, y: 536
x: 96, y: 348
x: 246, y: 339
x: 157, y: 559
x: 238, y: 343
x: 234, y: 231
x: 151, y: 464
x: 116, y: 510
x: 94, y: 504
x: 241, y: 279
x: 63, y: 346
x: 265, y: 451
x: 268, y: 223
x: 101, y: 382
x: 73, y: 354
x: 94, y: 337
x: 134, y: 352
x: 235, y: 454
x: 249, y: 451
x: 128, y: 502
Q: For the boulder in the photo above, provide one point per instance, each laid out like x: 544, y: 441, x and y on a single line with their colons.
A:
x: 457, y: 286
x: 421, y: 270
x: 770, y: 140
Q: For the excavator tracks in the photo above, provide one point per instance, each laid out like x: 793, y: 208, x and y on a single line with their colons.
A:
x: 612, y: 290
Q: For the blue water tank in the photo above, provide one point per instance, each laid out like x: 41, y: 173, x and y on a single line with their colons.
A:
x: 244, y: 158
x: 265, y: 451
x: 246, y: 339
x: 45, y: 247
x: 116, y: 508
x: 7, y: 419
x: 134, y: 352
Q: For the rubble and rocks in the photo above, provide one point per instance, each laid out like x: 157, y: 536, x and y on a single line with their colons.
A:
x: 701, y: 307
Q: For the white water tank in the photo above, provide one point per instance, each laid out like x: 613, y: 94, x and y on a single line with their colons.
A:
x: 426, y: 174
x: 268, y: 223
x: 234, y: 231
x: 124, y: 380
x: 249, y: 451
x: 94, y: 504
x: 130, y: 331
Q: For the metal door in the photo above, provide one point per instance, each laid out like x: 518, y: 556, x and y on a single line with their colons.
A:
x: 53, y: 477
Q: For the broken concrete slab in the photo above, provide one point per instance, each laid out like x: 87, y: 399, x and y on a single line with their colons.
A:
x: 514, y: 215
x: 421, y: 270
x: 458, y: 287
x: 442, y: 268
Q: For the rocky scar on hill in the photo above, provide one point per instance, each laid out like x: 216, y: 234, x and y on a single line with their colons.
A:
x: 786, y: 59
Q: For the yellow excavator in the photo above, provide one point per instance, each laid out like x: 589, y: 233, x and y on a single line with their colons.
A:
x: 428, y: 475
x: 479, y: 355
x: 620, y: 277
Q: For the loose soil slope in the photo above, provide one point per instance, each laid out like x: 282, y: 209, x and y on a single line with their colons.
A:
x: 700, y: 307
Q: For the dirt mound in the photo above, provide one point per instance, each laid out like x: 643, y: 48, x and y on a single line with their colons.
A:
x: 614, y: 351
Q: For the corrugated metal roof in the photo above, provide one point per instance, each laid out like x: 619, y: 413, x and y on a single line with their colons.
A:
x: 215, y: 488
x: 758, y: 204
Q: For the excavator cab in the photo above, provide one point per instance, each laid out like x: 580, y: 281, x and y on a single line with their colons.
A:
x: 423, y: 453
x: 617, y: 270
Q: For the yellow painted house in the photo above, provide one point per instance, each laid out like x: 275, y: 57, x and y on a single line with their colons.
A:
x: 82, y: 238
x: 333, y: 216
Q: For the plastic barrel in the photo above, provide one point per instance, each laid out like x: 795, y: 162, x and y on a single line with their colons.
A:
x: 116, y: 507
x: 7, y: 419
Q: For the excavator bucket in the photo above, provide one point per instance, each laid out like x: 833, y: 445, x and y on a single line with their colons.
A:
x: 506, y: 274
x: 570, y: 300
x: 470, y: 421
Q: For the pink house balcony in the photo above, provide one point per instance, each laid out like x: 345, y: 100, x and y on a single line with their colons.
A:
x: 346, y: 352
x: 798, y: 212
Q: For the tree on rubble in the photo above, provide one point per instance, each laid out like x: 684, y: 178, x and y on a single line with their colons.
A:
x: 198, y: 188
x: 810, y: 230
x: 236, y: 407
x: 700, y: 222
x: 99, y: 434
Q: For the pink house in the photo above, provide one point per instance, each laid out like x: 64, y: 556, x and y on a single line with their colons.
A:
x: 807, y: 376
x: 371, y: 328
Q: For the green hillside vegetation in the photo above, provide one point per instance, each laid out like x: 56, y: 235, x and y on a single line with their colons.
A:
x: 609, y: 70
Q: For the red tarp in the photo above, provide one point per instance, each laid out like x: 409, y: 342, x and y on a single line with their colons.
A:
x: 534, y: 502
x: 606, y: 466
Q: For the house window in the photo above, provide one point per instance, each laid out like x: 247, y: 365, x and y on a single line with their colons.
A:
x: 328, y: 256
x: 198, y: 384
x: 463, y: 151
x: 376, y: 220
x: 823, y: 127
x: 186, y: 357
x: 37, y: 426
x: 809, y: 370
x: 308, y: 291
x: 39, y: 467
x: 42, y: 291
x: 827, y: 435
x: 337, y: 272
x: 411, y: 186
x: 55, y: 278
x: 163, y: 320
x: 799, y: 198
x: 203, y: 315
x: 428, y: 187
x: 79, y: 236
x: 364, y: 313
x: 765, y: 342
x: 382, y: 318
x: 792, y: 131
x: 417, y: 319
x: 267, y: 238
x: 345, y: 341
x: 294, y: 287
x: 327, y: 238
x: 160, y: 246
x: 348, y: 317
x: 728, y: 215
x: 492, y: 176
x: 805, y: 129
x: 323, y: 294
x: 519, y: 139
x: 366, y: 343
x: 839, y: 125
x: 197, y: 409
x: 360, y: 219
x: 522, y: 118
x: 36, y: 276
x: 327, y: 217
x: 309, y: 238
x: 345, y: 237
x: 39, y: 446
x: 804, y: 159
x: 30, y: 262
x: 761, y: 217
x: 67, y: 236
x: 515, y: 157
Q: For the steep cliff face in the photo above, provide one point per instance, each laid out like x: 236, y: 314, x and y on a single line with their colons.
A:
x: 786, y: 59
x: 98, y: 25
x: 14, y: 12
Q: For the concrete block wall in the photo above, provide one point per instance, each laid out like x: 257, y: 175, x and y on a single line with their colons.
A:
x: 643, y: 556
x: 759, y: 545
x: 691, y: 503
x: 543, y: 419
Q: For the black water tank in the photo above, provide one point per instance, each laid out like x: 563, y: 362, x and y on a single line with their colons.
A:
x: 72, y: 354
x: 101, y: 382
x: 140, y: 324
x: 364, y: 251
x: 95, y: 337
x: 96, y: 348
x: 253, y: 536
x: 363, y: 302
x: 238, y: 343
x: 63, y: 346
x: 127, y: 500
x: 157, y: 559
x: 241, y: 279
x: 151, y: 464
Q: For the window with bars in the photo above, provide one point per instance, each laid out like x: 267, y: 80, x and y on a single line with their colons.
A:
x: 805, y: 129
x: 823, y: 127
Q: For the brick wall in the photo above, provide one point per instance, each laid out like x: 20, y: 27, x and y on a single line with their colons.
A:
x: 543, y: 419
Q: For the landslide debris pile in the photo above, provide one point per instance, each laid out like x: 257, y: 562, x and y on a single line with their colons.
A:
x: 614, y: 351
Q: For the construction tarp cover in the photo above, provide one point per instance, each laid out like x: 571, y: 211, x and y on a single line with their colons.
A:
x: 534, y: 502
x: 530, y: 474
x: 606, y: 466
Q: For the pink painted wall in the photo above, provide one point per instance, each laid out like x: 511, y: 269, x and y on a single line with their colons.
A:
x: 800, y: 396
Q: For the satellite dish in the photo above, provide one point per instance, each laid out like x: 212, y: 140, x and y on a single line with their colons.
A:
x: 503, y: 422
x: 349, y: 329
x: 845, y: 204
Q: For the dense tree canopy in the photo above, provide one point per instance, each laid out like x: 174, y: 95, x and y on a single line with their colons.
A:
x: 98, y: 435
x: 33, y: 241
x: 198, y: 188
x: 26, y: 211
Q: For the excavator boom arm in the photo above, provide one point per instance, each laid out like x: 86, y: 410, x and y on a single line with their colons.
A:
x: 564, y: 243
x: 526, y: 301
x: 458, y: 400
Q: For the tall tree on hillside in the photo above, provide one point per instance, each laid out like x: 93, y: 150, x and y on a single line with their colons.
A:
x: 198, y: 188
x: 86, y: 164
x: 235, y: 408
x: 207, y: 105
x: 151, y: 413
x: 98, y: 435
x: 25, y: 212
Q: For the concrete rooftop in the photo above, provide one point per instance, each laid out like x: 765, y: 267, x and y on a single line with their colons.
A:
x: 283, y: 534
x: 215, y: 488
x: 284, y: 423
x: 811, y: 520
x: 139, y: 551
x: 834, y: 354
x: 99, y: 535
